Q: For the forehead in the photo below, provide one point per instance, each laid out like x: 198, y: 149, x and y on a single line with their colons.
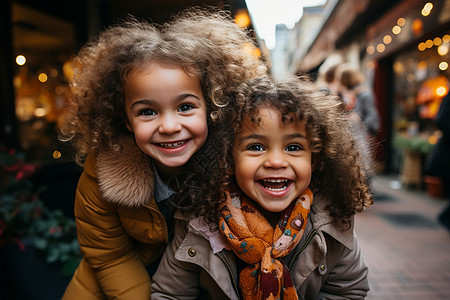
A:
x: 270, y: 117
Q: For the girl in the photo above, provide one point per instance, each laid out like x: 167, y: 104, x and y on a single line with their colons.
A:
x: 142, y: 124
x: 285, y: 230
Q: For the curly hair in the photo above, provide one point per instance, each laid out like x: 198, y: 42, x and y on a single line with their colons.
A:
x: 205, y: 42
x: 339, y: 159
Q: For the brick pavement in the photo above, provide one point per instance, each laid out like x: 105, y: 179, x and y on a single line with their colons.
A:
x: 406, y: 249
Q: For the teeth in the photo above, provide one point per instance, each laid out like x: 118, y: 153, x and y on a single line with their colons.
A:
x: 172, y: 145
x: 276, y: 190
x: 275, y: 180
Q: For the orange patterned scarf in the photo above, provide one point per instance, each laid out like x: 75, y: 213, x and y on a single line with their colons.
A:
x: 258, y: 244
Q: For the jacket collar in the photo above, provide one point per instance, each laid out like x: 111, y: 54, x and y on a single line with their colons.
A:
x: 322, y: 221
x: 125, y: 176
x: 319, y: 217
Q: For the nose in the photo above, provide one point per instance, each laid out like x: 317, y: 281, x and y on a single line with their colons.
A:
x: 169, y: 124
x: 275, y: 160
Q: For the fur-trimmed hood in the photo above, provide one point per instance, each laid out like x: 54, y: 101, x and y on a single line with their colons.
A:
x: 125, y: 176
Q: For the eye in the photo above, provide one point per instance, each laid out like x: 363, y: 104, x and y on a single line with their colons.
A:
x: 146, y: 112
x: 255, y: 147
x: 185, y: 107
x: 294, y: 147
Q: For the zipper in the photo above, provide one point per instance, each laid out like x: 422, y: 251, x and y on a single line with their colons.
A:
x: 233, y: 279
x: 308, y: 240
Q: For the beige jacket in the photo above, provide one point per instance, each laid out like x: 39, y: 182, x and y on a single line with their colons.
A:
x: 120, y: 229
x: 326, y: 264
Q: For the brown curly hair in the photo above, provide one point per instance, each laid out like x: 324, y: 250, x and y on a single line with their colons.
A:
x: 205, y: 42
x: 339, y: 159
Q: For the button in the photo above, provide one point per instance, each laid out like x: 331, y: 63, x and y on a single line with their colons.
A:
x: 192, y: 252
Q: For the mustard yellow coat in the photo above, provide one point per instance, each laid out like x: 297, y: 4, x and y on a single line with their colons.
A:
x: 120, y: 229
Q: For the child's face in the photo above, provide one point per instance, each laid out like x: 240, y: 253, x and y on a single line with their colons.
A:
x: 166, y: 112
x: 272, y: 160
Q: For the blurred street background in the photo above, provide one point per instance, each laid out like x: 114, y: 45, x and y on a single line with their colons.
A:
x: 401, y: 48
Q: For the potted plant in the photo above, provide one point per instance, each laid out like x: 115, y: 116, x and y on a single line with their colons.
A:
x: 39, y: 246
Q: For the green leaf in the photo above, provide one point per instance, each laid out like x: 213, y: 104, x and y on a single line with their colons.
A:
x: 40, y: 243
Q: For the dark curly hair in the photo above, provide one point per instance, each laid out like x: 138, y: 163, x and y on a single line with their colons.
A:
x: 205, y: 42
x: 339, y: 156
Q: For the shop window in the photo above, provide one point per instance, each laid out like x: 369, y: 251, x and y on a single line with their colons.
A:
x: 43, y: 48
x: 421, y: 81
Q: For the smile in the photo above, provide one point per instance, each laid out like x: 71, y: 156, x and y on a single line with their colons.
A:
x: 173, y: 145
x: 275, y: 185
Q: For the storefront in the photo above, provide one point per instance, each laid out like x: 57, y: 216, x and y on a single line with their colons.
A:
x: 409, y: 49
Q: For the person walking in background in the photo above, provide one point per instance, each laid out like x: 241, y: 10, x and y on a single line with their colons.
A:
x: 283, y: 224
x: 142, y: 123
x: 331, y: 80
x: 438, y: 163
x: 359, y: 100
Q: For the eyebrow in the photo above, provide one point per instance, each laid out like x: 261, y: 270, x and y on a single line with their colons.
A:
x: 178, y: 98
x: 259, y: 136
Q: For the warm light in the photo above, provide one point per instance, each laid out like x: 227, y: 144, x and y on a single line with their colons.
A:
x: 256, y: 52
x: 396, y: 29
x: 20, y: 60
x: 446, y: 38
x: 411, y: 78
x: 42, y: 77
x: 401, y: 21
x: 427, y: 9
x: 387, y: 39
x: 429, y: 43
x: 370, y: 50
x: 442, y: 49
x: 398, y: 67
x: 422, y: 46
x: 54, y: 72
x: 56, y: 154
x: 437, y: 41
x: 252, y: 50
x: 242, y: 18
x: 381, y: 48
x: 59, y: 90
x: 441, y: 91
x: 422, y: 65
x: 433, y: 140
x: 371, y: 64
x: 417, y: 26
x: 40, y: 112
x: 443, y: 66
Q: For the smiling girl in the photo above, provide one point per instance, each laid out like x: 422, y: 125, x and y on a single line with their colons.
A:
x: 142, y: 124
x: 283, y: 229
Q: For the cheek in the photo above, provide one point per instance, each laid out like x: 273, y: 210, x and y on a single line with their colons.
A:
x: 200, y: 128
x: 244, y: 169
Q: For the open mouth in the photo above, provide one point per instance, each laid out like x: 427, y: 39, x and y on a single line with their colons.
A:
x: 275, y: 185
x: 173, y: 145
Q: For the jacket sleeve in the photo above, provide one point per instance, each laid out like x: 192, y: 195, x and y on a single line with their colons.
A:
x: 348, y: 278
x: 175, y: 279
x: 104, y: 243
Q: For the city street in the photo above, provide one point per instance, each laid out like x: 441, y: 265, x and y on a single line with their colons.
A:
x: 406, y: 249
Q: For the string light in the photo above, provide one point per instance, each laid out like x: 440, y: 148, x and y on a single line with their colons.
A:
x: 20, y: 60
x: 42, y: 77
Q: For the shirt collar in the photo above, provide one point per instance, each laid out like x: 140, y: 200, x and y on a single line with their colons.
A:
x: 161, y: 191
